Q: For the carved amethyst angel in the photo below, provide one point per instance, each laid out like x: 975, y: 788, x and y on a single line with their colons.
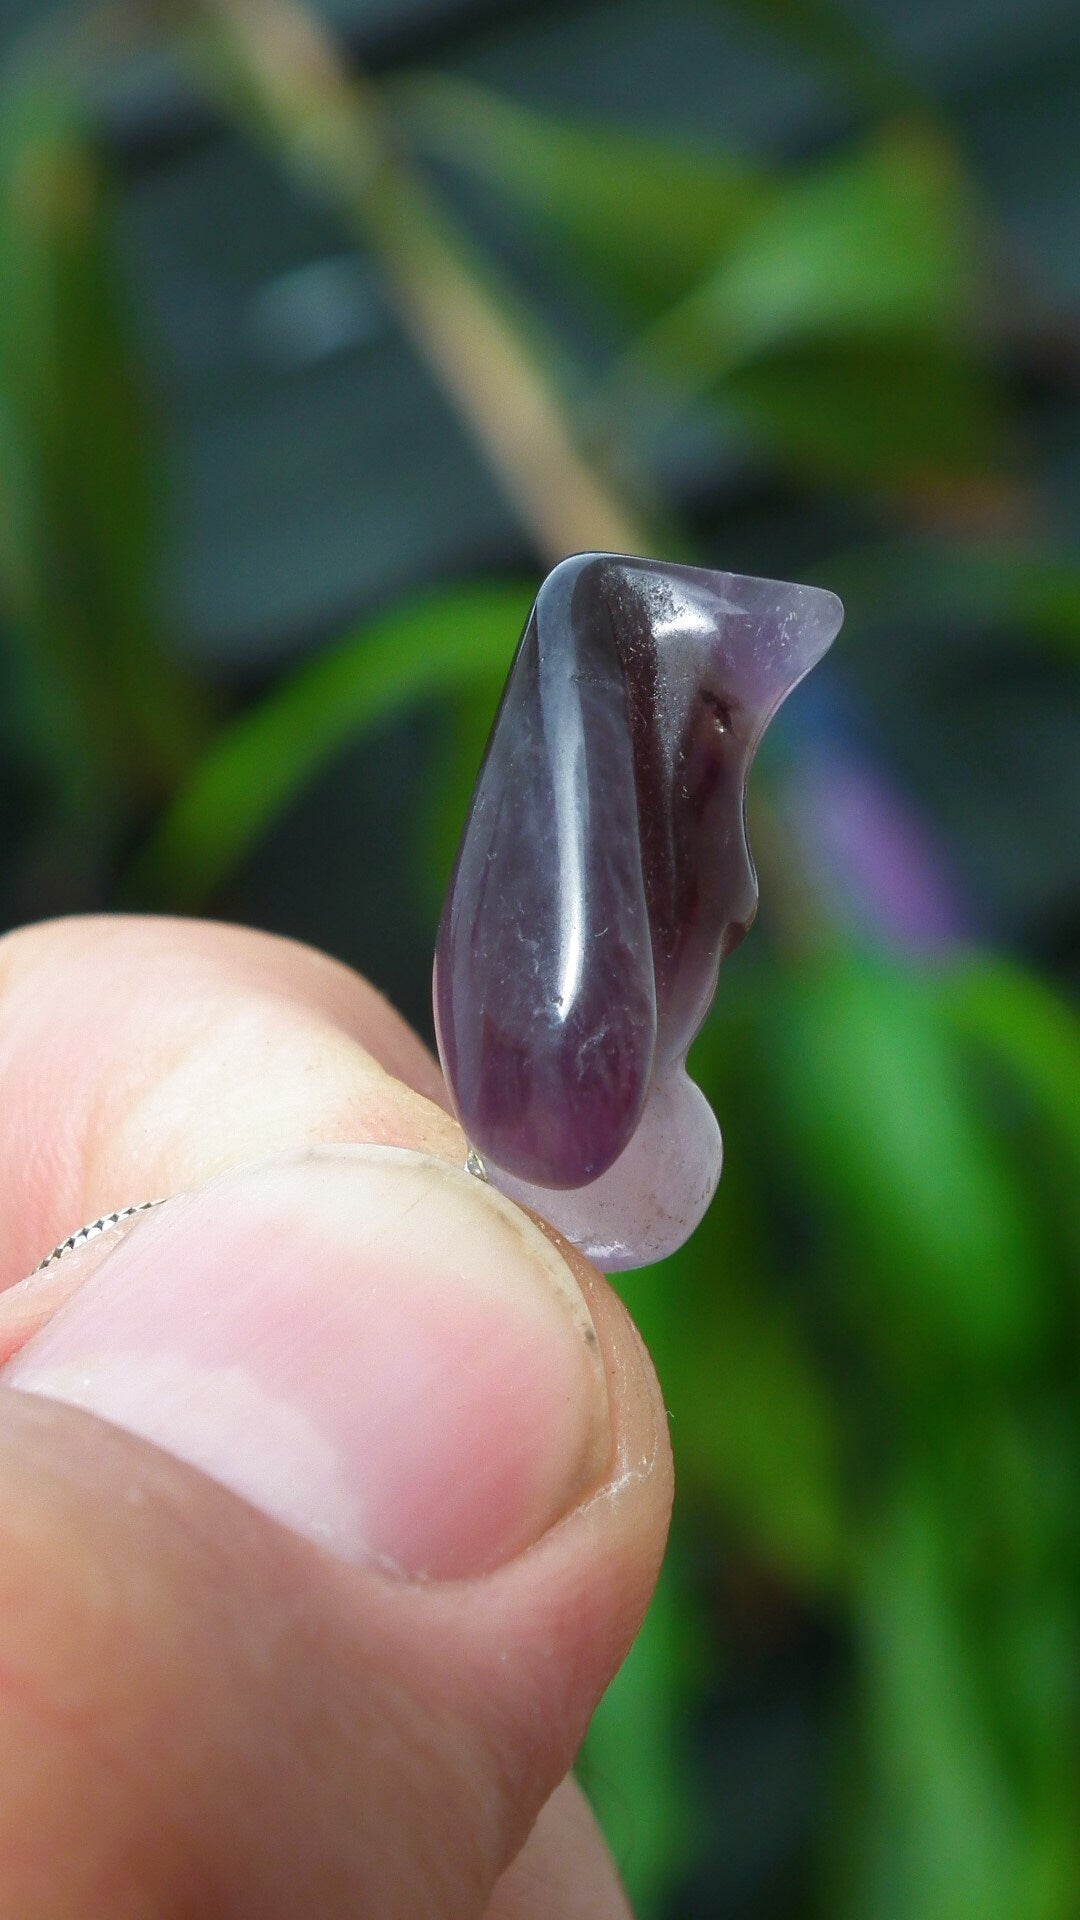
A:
x: 602, y: 876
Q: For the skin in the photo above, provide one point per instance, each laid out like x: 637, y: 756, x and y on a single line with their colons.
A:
x: 201, y: 1712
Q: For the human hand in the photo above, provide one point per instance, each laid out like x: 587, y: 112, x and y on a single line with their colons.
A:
x: 358, y: 1690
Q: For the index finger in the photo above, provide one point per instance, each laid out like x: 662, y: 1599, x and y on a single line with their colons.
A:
x: 139, y: 1057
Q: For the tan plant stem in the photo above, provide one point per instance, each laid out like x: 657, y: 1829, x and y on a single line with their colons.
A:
x: 331, y: 128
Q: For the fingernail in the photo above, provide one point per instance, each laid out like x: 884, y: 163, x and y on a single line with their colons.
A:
x: 371, y: 1345
x: 29, y: 1305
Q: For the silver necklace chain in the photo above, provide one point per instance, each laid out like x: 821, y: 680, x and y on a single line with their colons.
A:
x: 91, y: 1232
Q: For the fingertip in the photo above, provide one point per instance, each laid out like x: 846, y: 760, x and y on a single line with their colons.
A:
x: 142, y: 1056
x: 564, y: 1868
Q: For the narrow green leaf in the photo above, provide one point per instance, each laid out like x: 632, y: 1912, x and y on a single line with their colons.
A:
x: 1005, y: 1016
x: 893, y: 415
x: 78, y: 486
x: 633, y: 1767
x: 1029, y: 1027
x: 834, y: 35
x: 756, y: 1425
x: 874, y: 243
x: 1027, y: 1470
x: 465, y: 723
x: 939, y: 1829
x: 645, y: 219
x: 256, y: 767
x: 840, y: 323
x: 931, y: 1228
x: 989, y: 588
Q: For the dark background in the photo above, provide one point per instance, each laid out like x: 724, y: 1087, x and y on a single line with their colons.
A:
x: 308, y: 368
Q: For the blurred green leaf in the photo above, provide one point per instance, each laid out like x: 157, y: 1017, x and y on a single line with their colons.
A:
x: 435, y: 645
x: 874, y: 243
x: 940, y: 1837
x: 754, y: 1424
x: 464, y: 725
x: 1009, y: 1018
x: 972, y: 584
x: 831, y: 308
x: 1029, y: 1027
x: 905, y: 416
x: 645, y: 219
x: 839, y: 323
x: 835, y: 35
x: 633, y: 1767
x: 78, y: 487
x: 968, y: 1764
x: 1028, y: 1475
x: 924, y: 1206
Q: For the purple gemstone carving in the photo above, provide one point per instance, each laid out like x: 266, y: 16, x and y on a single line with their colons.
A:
x: 603, y: 875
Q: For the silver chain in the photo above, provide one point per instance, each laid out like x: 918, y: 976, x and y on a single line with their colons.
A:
x: 473, y: 1164
x: 91, y: 1232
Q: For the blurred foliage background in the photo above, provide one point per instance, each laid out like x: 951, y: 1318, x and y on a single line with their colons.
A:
x: 322, y: 333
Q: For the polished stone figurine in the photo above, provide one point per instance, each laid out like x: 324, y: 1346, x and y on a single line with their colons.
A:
x: 603, y: 875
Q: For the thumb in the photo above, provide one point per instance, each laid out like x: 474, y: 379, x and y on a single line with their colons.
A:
x: 346, y: 1677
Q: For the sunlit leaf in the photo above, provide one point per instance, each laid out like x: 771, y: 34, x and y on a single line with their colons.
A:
x: 256, y: 767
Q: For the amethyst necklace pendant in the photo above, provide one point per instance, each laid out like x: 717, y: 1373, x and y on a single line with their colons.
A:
x: 602, y: 876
